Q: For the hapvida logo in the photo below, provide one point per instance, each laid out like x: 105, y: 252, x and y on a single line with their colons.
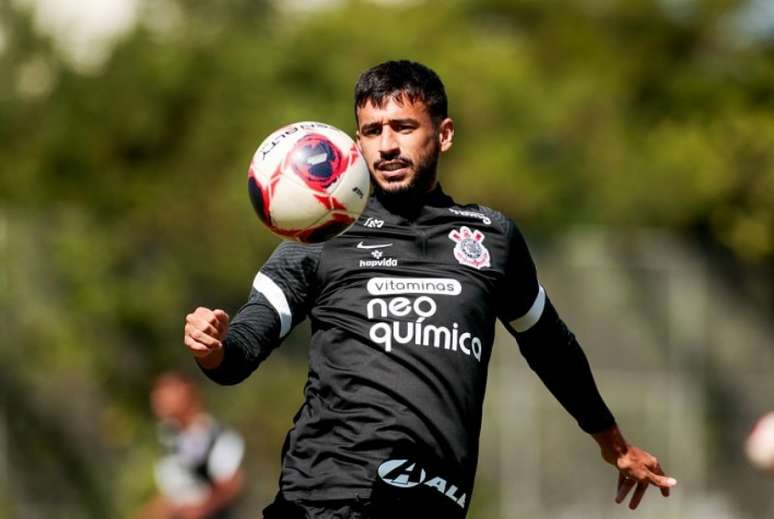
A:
x: 382, y: 262
x: 378, y: 255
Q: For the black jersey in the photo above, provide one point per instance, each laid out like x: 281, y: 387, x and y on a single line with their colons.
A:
x: 402, y: 308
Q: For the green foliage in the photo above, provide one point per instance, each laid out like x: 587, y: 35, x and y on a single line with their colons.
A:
x: 123, y: 197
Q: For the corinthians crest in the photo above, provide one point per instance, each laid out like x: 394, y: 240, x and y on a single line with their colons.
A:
x: 470, y: 249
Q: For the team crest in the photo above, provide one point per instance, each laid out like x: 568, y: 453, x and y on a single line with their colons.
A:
x: 470, y: 250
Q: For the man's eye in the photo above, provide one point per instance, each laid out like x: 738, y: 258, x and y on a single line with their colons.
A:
x: 371, y: 131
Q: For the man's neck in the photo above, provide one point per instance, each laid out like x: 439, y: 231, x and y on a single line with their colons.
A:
x: 406, y: 203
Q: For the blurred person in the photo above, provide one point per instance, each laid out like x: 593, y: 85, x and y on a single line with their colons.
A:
x: 199, y: 474
x: 398, y: 358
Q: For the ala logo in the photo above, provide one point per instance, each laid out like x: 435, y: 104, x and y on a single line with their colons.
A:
x: 377, y: 253
x: 373, y: 223
x: 404, y: 473
x: 469, y: 249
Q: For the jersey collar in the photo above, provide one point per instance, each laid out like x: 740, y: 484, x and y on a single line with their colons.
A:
x: 411, y: 207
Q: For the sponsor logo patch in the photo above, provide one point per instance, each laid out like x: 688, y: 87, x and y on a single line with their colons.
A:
x: 404, y: 473
x: 395, y: 286
x: 472, y: 214
x: 373, y: 223
x: 376, y: 252
x: 375, y: 263
x: 405, y: 321
x: 469, y: 249
x: 362, y: 245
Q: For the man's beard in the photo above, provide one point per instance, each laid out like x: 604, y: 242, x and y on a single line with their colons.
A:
x: 425, y: 174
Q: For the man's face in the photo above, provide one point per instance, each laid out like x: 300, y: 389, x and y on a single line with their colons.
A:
x: 401, y: 144
x: 172, y: 400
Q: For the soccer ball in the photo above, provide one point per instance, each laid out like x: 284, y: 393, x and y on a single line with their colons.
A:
x: 308, y: 182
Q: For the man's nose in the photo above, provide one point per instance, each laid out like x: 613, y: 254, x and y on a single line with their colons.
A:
x: 388, y: 143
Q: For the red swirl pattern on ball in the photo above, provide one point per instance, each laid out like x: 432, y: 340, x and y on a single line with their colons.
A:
x: 317, y: 161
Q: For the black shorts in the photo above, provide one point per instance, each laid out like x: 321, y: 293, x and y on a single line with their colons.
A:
x: 282, y: 509
x: 419, y: 504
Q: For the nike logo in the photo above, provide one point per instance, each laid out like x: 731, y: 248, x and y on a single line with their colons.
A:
x: 361, y: 245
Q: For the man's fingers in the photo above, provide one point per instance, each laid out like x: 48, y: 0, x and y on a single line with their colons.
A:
x: 202, y: 337
x: 204, y: 329
x: 213, y: 317
x: 642, y: 486
x: 221, y: 320
x: 663, y: 482
x: 212, y: 322
x: 196, y: 348
x: 625, y: 484
x: 204, y: 326
x: 194, y: 341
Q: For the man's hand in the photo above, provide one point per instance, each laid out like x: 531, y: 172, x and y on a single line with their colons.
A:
x: 205, y: 330
x: 636, y: 467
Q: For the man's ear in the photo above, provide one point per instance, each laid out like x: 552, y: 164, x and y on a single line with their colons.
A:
x: 446, y: 133
x: 357, y: 141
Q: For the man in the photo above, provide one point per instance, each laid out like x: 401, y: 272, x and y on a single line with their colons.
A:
x: 199, y: 475
x: 399, y: 350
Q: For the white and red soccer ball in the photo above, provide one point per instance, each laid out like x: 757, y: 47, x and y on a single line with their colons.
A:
x: 308, y: 182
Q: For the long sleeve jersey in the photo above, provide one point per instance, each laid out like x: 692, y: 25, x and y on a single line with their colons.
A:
x: 402, y: 309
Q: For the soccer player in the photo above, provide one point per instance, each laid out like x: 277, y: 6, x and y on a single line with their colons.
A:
x: 403, y: 309
x: 199, y: 475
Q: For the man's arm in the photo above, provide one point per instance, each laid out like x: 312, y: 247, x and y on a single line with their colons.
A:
x: 228, y: 351
x: 553, y: 352
x: 222, y: 494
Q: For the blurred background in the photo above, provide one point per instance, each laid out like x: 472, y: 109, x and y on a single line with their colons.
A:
x: 632, y: 141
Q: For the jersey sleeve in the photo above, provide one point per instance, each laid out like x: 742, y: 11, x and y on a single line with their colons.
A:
x: 281, y: 294
x: 225, y: 456
x: 521, y: 296
x: 549, y: 347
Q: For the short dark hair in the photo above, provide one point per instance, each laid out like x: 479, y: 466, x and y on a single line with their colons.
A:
x: 402, y: 78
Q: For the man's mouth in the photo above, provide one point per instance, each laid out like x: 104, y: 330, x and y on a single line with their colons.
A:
x: 392, y: 169
x: 392, y: 165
